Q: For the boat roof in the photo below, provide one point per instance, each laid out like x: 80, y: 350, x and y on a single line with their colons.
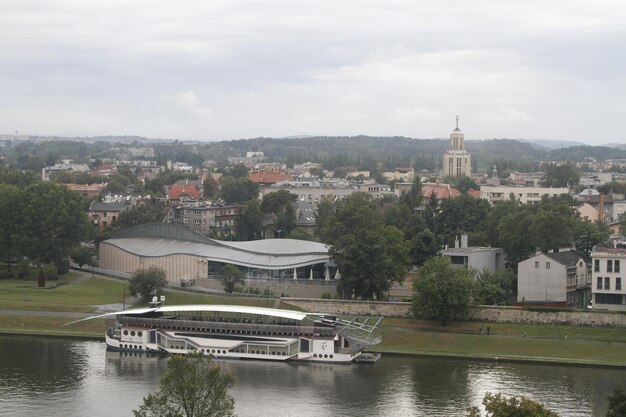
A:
x: 261, y: 311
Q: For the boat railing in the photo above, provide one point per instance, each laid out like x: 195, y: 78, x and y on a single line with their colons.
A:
x: 231, y: 327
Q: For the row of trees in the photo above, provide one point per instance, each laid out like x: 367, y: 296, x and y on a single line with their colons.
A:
x: 374, y: 243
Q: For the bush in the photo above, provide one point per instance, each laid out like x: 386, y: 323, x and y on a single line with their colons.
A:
x: 326, y: 296
x: 63, y: 266
x: 267, y: 292
x: 6, y: 275
x: 50, y: 271
x: 23, y: 269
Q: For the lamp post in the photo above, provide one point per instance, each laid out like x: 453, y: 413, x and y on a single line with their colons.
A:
x: 547, y: 290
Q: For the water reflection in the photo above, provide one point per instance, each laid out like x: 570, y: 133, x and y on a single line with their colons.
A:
x: 81, y: 378
x: 45, y: 365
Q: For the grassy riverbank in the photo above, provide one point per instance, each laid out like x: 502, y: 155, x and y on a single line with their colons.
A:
x: 590, y: 345
x: 77, y: 292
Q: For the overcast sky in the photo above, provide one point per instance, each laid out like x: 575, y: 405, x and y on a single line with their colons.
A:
x: 230, y: 69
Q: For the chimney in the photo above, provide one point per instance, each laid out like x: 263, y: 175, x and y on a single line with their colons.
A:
x: 456, y: 242
x: 463, y: 241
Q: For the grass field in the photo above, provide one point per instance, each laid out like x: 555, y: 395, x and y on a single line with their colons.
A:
x: 75, y: 292
x: 594, y: 345
x: 71, y: 292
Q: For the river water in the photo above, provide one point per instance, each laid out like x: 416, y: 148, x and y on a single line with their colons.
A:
x: 59, y: 377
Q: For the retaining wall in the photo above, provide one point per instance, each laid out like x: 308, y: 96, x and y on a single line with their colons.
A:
x: 478, y: 313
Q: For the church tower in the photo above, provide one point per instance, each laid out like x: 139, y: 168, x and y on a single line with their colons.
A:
x: 456, y: 160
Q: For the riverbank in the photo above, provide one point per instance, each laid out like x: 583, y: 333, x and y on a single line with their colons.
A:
x: 27, y: 310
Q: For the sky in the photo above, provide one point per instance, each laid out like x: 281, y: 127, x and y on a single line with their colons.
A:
x: 229, y: 69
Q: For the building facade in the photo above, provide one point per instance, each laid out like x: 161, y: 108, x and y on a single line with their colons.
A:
x: 607, y: 284
x: 457, y: 161
x: 525, y: 195
x: 555, y: 279
x: 476, y: 257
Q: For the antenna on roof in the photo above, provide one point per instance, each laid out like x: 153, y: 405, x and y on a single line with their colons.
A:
x: 457, y: 121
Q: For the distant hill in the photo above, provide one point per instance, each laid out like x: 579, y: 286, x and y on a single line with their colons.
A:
x: 552, y: 144
x: 621, y: 146
x: 579, y: 153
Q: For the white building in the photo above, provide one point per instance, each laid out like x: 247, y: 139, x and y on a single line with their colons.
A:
x: 456, y: 160
x: 525, y: 195
x: 555, y: 279
x: 607, y: 289
x: 477, y: 257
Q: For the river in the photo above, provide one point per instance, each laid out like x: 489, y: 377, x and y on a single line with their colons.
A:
x: 61, y: 377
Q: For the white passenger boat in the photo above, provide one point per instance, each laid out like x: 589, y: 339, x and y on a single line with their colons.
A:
x: 241, y: 332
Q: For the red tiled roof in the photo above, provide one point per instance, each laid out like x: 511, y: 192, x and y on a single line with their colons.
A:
x: 189, y: 190
x: 441, y: 191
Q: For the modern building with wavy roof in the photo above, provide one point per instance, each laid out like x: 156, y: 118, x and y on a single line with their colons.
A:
x: 185, y: 255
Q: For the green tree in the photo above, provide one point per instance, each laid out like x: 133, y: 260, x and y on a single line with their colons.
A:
x: 442, y: 292
x: 588, y: 234
x: 230, y: 276
x: 11, y: 199
x: 154, y: 187
x: 251, y: 221
x: 238, y: 171
x: 323, y: 215
x: 82, y: 255
x: 515, y: 237
x: 463, y: 183
x: 210, y: 187
x: 300, y: 234
x: 413, y: 198
x: 238, y: 190
x: 148, y: 282
x: 497, y: 288
x: 550, y: 231
x: 140, y: 214
x: 499, y: 406
x: 617, y: 403
x: 285, y: 220
x: 277, y: 201
x: 564, y: 175
x: 192, y: 387
x: 461, y: 215
x: 369, y: 255
x: 53, y: 221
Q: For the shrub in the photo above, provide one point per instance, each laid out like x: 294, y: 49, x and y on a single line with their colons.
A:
x: 50, y: 271
x: 23, y: 269
x: 326, y: 296
x: 6, y: 275
x: 63, y: 266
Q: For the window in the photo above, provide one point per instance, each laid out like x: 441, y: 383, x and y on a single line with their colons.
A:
x: 596, y: 265
x: 618, y: 284
x: 607, y: 283
x: 547, y: 265
x: 536, y: 264
x: 609, y: 265
x: 609, y: 299
x: 599, y: 286
x: 616, y: 266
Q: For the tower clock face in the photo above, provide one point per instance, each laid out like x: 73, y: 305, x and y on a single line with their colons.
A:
x: 324, y: 346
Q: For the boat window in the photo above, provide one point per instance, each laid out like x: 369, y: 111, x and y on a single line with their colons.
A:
x: 304, y: 345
